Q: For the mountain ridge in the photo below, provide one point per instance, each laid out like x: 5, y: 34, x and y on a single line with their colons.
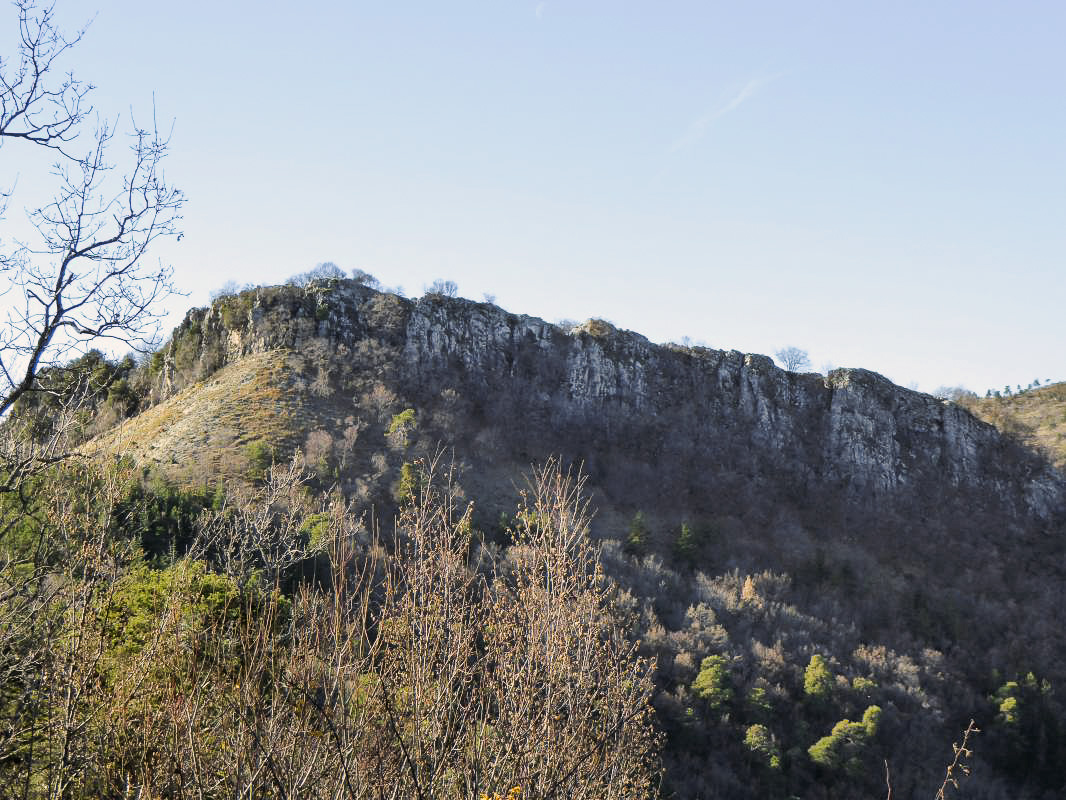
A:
x: 852, y: 430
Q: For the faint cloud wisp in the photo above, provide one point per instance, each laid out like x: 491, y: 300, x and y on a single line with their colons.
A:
x: 540, y: 10
x: 698, y: 128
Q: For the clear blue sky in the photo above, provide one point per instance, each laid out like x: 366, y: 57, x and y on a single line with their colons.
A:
x: 883, y: 185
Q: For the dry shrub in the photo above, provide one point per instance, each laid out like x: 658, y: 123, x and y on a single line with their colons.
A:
x: 410, y: 675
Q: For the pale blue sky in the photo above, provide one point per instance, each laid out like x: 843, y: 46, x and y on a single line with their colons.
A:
x: 881, y: 184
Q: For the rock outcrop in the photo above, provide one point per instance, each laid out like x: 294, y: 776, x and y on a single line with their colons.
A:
x: 706, y: 418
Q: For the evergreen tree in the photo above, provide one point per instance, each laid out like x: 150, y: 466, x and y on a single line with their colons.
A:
x: 636, y: 543
x: 714, y: 684
x: 817, y: 679
x: 686, y: 546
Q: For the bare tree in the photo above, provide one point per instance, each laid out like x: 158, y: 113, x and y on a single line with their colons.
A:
x: 794, y: 359
x: 51, y: 647
x: 364, y: 278
x: 83, y: 275
x: 324, y: 271
x: 444, y: 288
x: 228, y: 289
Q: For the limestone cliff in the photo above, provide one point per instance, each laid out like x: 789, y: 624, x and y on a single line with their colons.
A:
x: 707, y: 418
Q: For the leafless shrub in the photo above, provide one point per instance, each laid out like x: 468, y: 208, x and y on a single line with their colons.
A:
x: 349, y: 437
x: 261, y: 529
x: 318, y: 449
x: 413, y: 675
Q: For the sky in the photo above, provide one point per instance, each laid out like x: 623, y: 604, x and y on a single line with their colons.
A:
x: 880, y: 184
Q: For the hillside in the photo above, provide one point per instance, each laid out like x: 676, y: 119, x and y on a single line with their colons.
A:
x: 201, y: 432
x: 348, y: 350
x: 750, y: 515
x: 1036, y: 415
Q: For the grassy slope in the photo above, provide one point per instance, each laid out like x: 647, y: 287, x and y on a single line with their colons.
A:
x: 204, y: 430
x: 1037, y: 415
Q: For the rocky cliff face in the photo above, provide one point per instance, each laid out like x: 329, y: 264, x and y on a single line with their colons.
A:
x: 706, y: 418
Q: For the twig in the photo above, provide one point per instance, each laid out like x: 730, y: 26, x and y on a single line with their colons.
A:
x: 957, y: 764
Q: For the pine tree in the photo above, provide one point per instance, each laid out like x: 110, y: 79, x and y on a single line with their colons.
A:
x: 636, y: 543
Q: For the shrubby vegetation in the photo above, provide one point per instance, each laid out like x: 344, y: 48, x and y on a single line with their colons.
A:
x: 1034, y: 416
x: 325, y: 271
x: 278, y: 649
x: 80, y: 398
x: 771, y: 640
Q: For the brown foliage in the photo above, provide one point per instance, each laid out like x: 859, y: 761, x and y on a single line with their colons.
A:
x: 405, y: 676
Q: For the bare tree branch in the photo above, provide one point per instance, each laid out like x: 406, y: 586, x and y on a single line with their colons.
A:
x: 33, y: 107
x: 85, y: 275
